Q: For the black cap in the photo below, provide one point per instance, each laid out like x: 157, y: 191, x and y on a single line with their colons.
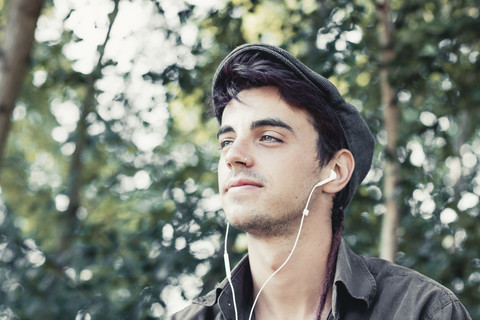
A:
x: 359, y: 138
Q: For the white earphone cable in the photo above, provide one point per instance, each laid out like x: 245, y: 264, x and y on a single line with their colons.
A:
x: 280, y: 268
x: 228, y: 272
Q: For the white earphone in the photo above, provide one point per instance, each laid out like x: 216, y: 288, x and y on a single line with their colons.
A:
x: 333, y: 176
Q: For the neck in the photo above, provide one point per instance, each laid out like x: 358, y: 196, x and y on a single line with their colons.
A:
x: 295, y: 291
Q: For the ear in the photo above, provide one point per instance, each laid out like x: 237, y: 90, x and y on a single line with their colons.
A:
x: 343, y: 164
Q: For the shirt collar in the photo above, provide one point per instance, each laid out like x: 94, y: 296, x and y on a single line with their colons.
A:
x: 242, y: 281
x: 353, y: 276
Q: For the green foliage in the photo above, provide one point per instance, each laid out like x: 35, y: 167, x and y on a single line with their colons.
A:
x: 150, y: 226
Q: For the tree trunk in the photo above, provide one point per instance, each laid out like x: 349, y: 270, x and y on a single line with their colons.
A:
x: 388, y: 242
x: 14, y: 58
x: 75, y: 182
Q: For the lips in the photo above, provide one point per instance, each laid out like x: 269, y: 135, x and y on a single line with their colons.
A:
x: 242, y: 184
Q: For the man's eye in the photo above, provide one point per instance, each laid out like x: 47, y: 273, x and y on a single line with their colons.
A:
x: 225, y: 143
x: 267, y: 138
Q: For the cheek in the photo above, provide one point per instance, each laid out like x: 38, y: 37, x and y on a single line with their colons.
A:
x: 302, y: 168
x: 222, y: 172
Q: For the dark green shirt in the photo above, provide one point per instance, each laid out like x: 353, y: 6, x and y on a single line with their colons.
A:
x: 364, y: 288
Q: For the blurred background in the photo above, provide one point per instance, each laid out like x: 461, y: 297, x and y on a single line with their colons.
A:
x: 108, y: 192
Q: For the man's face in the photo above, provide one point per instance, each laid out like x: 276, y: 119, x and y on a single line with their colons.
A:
x: 266, y: 195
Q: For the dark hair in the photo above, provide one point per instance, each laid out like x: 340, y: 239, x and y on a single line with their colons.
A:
x: 252, y: 70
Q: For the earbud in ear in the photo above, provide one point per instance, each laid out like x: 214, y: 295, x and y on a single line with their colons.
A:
x: 333, y: 175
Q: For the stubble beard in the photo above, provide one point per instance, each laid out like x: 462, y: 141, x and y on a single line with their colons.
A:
x: 262, y: 225
x: 267, y: 221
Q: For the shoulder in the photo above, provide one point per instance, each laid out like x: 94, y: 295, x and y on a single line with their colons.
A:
x: 390, y: 276
x: 372, y: 288
x: 412, y: 290
x: 215, y: 305
x: 204, y: 307
x: 195, y: 312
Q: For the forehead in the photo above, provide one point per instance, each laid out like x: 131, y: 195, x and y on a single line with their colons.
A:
x: 263, y: 102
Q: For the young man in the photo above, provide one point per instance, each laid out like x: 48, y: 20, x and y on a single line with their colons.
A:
x: 293, y: 153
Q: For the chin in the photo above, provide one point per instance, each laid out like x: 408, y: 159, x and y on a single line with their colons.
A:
x: 263, y: 226
x: 238, y: 216
x: 235, y: 216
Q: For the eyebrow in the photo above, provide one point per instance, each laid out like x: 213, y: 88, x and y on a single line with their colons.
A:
x: 223, y: 130
x: 269, y: 122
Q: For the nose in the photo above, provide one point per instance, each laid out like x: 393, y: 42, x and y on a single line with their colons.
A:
x: 237, y: 155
